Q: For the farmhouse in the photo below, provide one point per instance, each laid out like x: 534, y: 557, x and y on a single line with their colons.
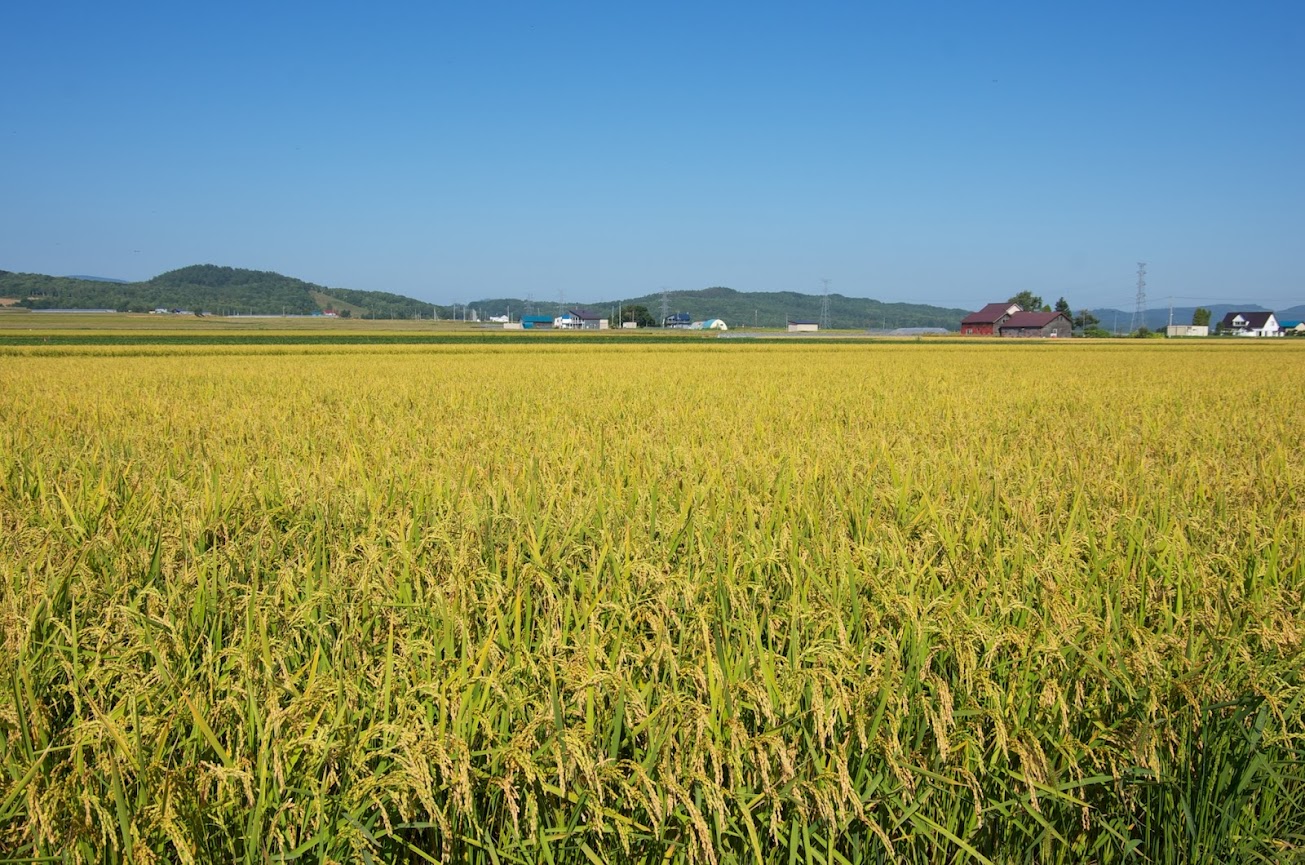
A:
x: 586, y: 320
x: 1250, y: 324
x: 802, y: 325
x: 1045, y: 324
x: 988, y: 320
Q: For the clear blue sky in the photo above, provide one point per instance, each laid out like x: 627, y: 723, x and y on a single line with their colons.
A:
x: 937, y: 152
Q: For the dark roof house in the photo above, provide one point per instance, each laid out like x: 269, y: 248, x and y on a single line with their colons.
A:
x: 991, y: 314
x: 986, y: 321
x: 588, y: 319
x: 1051, y: 324
x: 1250, y: 324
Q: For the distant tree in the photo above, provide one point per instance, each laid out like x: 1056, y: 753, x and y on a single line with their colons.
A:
x: 1201, y: 317
x: 1086, y: 320
x: 1062, y: 305
x: 1030, y: 302
x: 1142, y: 332
x: 637, y: 313
x: 345, y: 313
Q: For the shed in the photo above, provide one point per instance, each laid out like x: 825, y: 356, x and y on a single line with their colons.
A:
x: 803, y: 325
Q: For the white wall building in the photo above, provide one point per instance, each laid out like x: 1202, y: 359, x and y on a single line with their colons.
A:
x: 1250, y: 324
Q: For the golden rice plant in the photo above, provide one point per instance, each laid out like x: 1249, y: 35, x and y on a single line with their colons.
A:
x: 713, y: 602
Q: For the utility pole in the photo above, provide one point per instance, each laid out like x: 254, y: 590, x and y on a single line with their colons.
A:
x: 1139, y: 311
x: 824, y: 306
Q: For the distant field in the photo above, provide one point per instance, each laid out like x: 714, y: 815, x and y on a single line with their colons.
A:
x: 14, y: 321
x: 707, y: 601
x: 59, y: 329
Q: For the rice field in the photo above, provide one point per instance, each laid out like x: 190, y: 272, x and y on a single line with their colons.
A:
x: 704, y: 602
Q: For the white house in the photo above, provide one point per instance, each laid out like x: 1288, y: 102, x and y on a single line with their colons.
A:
x: 1187, y: 330
x: 1250, y: 324
x: 583, y: 319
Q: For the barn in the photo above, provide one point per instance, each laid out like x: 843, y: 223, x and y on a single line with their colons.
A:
x: 987, y: 321
x: 1044, y: 324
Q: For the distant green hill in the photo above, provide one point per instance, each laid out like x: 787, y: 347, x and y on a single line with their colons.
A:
x: 764, y: 309
x: 207, y: 288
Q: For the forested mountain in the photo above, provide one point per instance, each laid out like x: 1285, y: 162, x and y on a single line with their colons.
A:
x: 763, y: 309
x: 206, y: 288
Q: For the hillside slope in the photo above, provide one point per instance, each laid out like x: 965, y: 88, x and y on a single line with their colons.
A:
x: 206, y: 288
x: 763, y: 309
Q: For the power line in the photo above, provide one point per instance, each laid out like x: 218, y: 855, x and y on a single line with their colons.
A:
x: 824, y: 306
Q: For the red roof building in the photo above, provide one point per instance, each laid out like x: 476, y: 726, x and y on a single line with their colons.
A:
x: 988, y: 321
